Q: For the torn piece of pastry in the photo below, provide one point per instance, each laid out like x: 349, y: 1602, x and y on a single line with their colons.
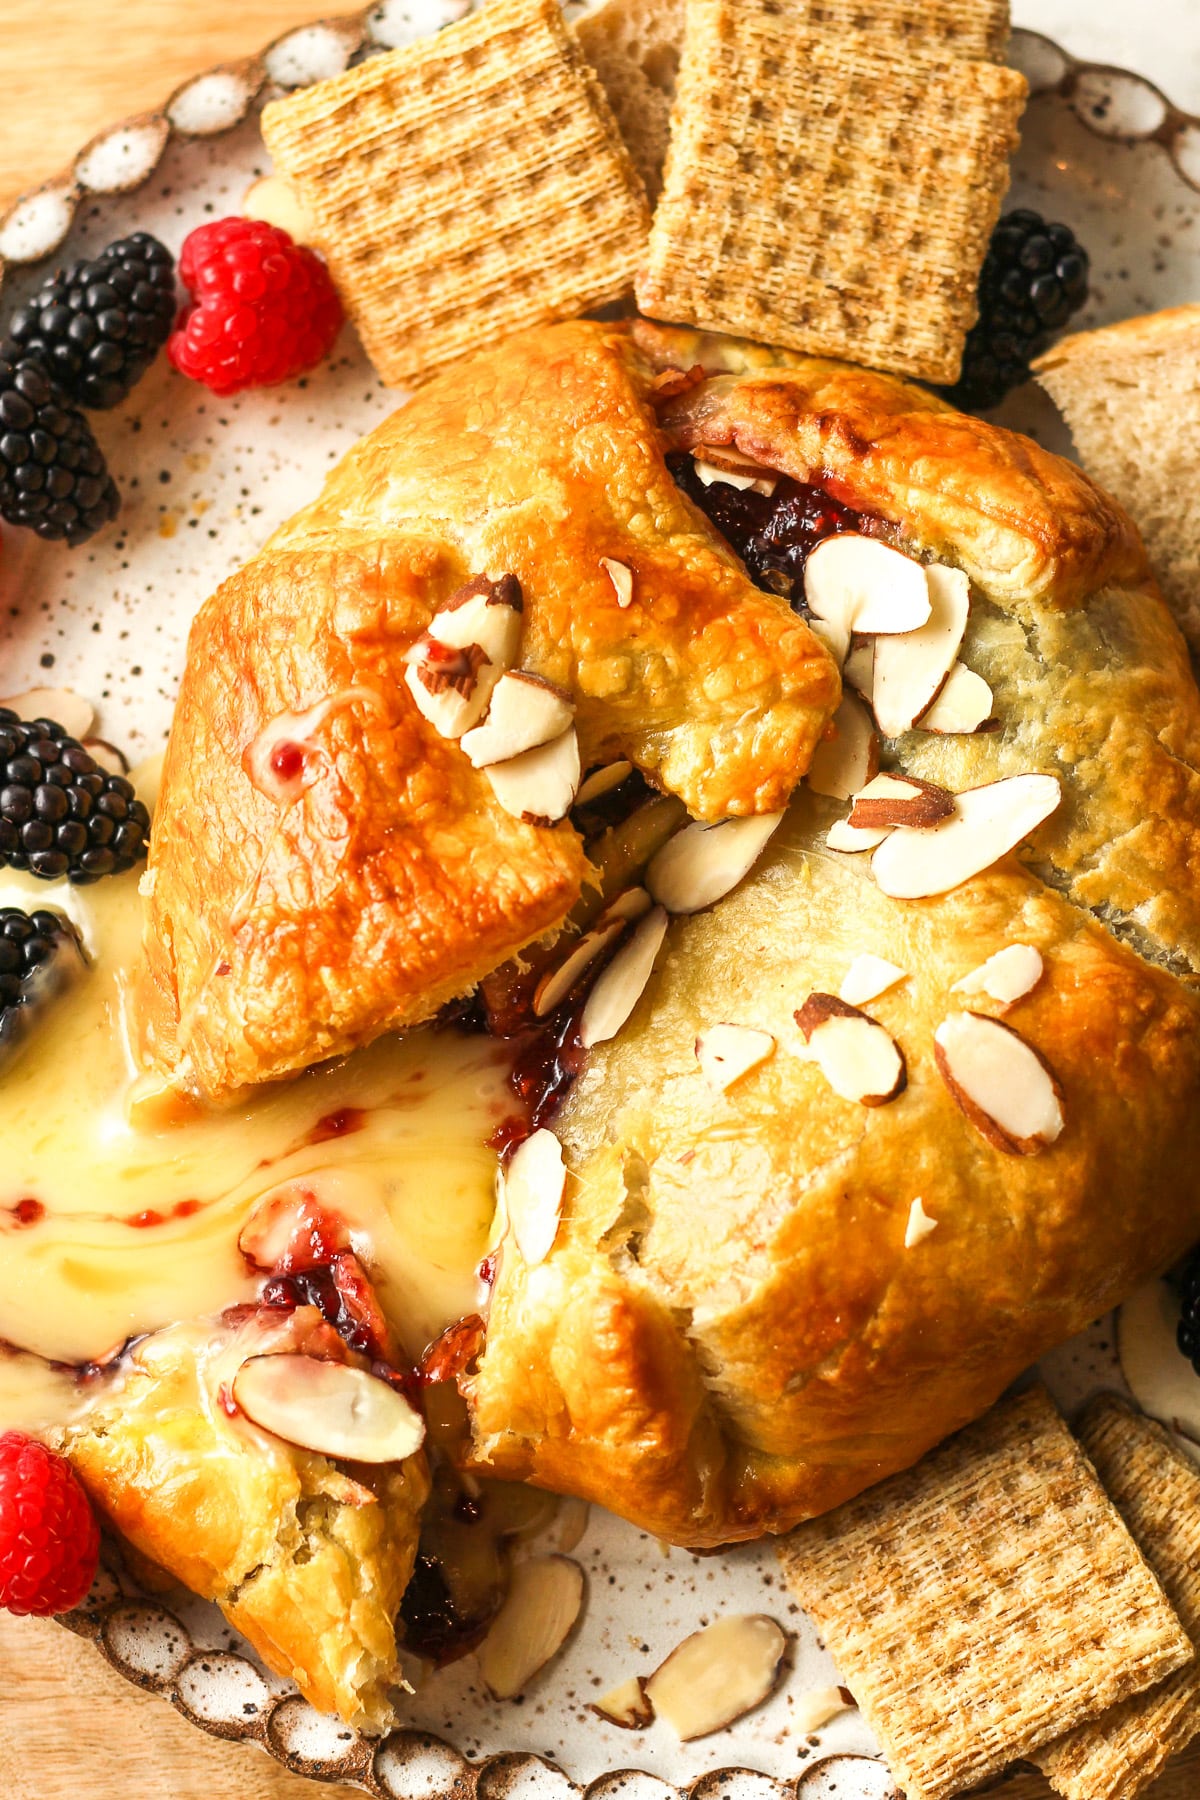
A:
x: 464, y: 187
x: 327, y: 863
x: 1131, y: 395
x: 1156, y: 1488
x: 307, y: 1546
x: 983, y: 1599
x: 823, y: 192
x: 635, y: 47
x: 808, y: 1341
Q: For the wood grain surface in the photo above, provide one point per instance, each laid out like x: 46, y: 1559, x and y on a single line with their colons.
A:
x: 68, y: 1724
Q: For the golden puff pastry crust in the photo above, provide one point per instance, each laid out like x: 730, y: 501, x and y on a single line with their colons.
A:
x: 736, y: 1328
x: 309, y: 1561
x: 280, y: 933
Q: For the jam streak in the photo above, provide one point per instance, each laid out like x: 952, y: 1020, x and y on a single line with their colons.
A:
x: 773, y: 534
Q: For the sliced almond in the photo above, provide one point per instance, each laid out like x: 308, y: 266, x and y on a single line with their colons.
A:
x: 856, y: 583
x: 625, y: 1705
x: 623, y: 983
x: 702, y: 863
x: 329, y: 1407
x: 603, y: 781
x: 718, y: 1675
x: 574, y: 1517
x: 727, y: 1052
x: 1005, y: 977
x: 963, y: 705
x: 483, y: 623
x: 556, y: 984
x: 1162, y: 1380
x: 891, y: 800
x: 276, y: 202
x: 986, y: 824
x: 534, y: 1183
x: 621, y: 576
x: 543, y: 1602
x: 524, y: 711
x: 858, y: 1058
x: 722, y: 462
x: 813, y: 1710
x: 540, y: 785
x: 1001, y: 1082
x: 858, y: 670
x: 71, y: 711
x: 910, y: 667
x: 845, y: 762
x: 634, y: 903
x: 919, y: 1224
x: 844, y: 836
x: 867, y: 977
x: 447, y: 683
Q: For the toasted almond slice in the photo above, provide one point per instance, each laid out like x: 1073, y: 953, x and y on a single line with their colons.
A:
x: 483, y: 622
x: 623, y: 983
x: 722, y: 462
x: 556, y: 984
x: 626, y: 1705
x: 1005, y: 977
x: 910, y: 667
x: 539, y: 785
x: 856, y: 583
x: 727, y: 1052
x: 450, y: 685
x: 845, y: 762
x: 1162, y: 1380
x: 328, y: 1407
x: 1006, y: 1089
x: 702, y: 863
x: 813, y: 1710
x: 633, y: 903
x: 718, y: 1674
x: 574, y: 1517
x: 621, y: 576
x: 603, y: 781
x: 919, y: 1224
x: 986, y: 824
x: 71, y: 711
x: 867, y: 977
x: 891, y: 800
x: 534, y: 1183
x: 543, y: 1602
x: 963, y: 705
x: 844, y: 836
x: 524, y: 711
x: 858, y: 670
x: 276, y: 202
x: 858, y: 1058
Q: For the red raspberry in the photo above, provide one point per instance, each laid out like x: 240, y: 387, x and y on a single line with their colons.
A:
x: 49, y: 1539
x: 263, y: 309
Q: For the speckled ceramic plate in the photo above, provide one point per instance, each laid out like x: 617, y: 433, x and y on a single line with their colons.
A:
x: 204, y: 481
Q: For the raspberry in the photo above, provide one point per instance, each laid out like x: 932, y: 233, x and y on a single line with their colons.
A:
x: 49, y: 1539
x: 263, y: 309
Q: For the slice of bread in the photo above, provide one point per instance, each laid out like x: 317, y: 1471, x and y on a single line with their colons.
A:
x: 634, y: 46
x: 1131, y: 396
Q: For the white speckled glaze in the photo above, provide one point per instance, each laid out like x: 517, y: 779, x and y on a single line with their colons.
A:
x: 204, y: 481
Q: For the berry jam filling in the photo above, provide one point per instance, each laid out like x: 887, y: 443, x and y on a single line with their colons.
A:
x: 773, y: 534
x: 341, y: 1294
x: 434, y: 1626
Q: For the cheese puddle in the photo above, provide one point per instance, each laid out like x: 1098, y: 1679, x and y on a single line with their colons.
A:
x: 107, y: 1231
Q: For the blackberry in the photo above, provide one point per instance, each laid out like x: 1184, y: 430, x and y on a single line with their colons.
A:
x: 53, y: 476
x: 1188, y: 1334
x: 98, y: 325
x: 37, y: 952
x: 60, y: 812
x: 1034, y: 277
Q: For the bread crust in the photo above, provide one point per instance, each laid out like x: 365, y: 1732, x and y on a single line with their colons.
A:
x: 280, y: 935
x: 730, y: 1334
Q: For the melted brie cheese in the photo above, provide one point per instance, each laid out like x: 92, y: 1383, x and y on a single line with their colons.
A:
x: 133, y: 1227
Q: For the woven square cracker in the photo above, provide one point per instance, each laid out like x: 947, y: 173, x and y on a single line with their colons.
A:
x: 465, y: 186
x: 826, y: 192
x: 984, y: 1601
x: 1180, y: 1780
x: 1156, y: 1489
x: 971, y: 29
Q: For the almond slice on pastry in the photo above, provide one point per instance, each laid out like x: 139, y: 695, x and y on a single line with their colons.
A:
x: 858, y: 1058
x: 910, y: 667
x: 844, y: 762
x: 987, y: 822
x: 1001, y: 1082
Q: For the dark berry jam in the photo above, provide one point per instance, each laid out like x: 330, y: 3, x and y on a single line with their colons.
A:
x: 433, y: 1625
x: 338, y: 1124
x: 342, y: 1295
x: 773, y: 534
x: 512, y: 1130
x: 287, y: 761
x: 27, y: 1212
x: 548, y: 1063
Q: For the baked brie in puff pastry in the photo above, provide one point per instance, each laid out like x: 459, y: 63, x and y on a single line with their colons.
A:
x: 778, y: 1274
x: 326, y: 863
